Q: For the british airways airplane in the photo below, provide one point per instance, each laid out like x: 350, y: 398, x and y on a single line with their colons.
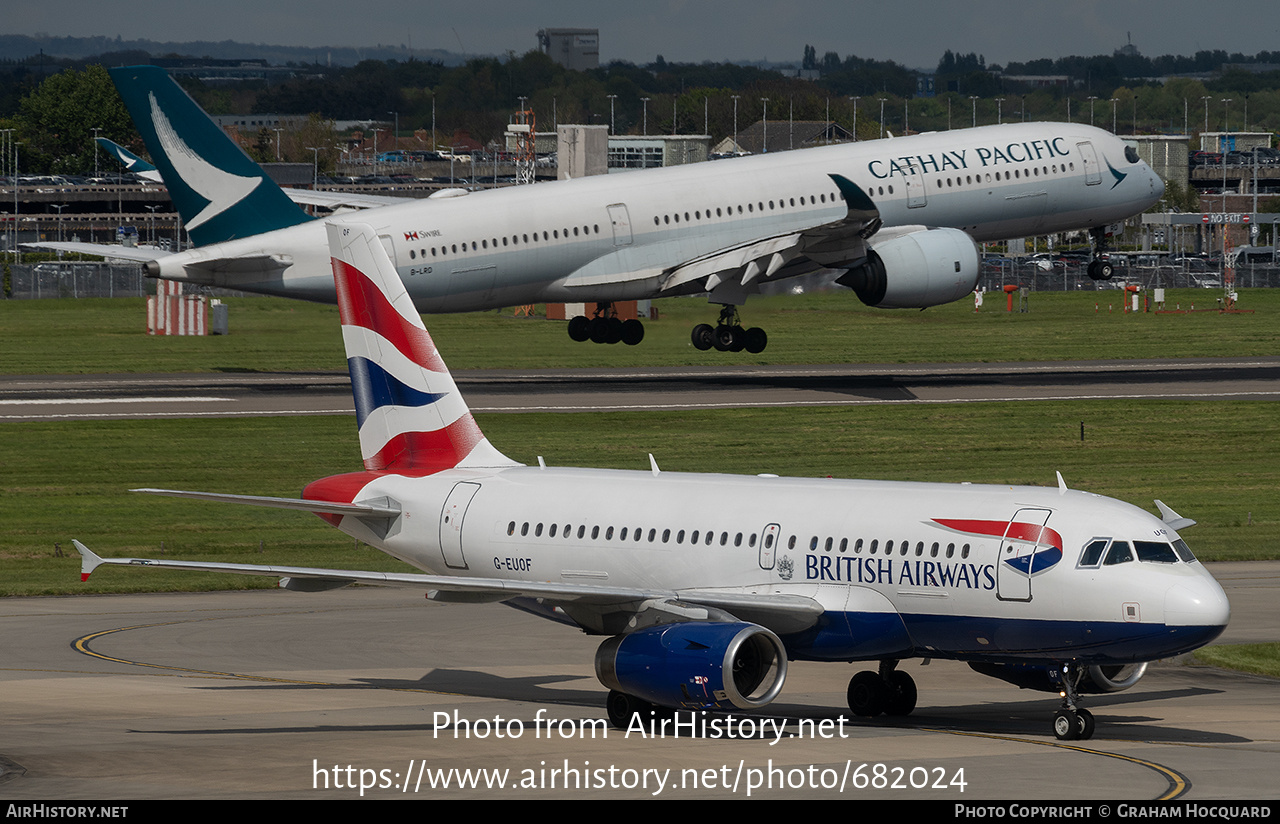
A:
x: 898, y: 217
x: 705, y: 586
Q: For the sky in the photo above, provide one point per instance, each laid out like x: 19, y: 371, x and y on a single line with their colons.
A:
x: 914, y: 34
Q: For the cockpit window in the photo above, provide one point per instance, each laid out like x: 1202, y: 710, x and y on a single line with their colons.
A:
x: 1155, y: 552
x: 1130, y: 154
x: 1093, y: 553
x: 1184, y: 551
x: 1118, y: 554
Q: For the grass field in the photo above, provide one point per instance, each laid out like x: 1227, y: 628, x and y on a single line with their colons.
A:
x: 67, y: 480
x: 1211, y: 461
x: 274, y: 334
x: 1260, y: 659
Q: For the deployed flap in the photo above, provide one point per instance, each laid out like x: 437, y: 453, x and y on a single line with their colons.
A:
x: 833, y: 244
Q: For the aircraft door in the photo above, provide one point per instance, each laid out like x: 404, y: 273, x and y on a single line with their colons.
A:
x: 768, y: 546
x: 621, y: 222
x: 1089, y: 156
x: 451, y: 519
x: 1014, y: 565
x: 915, y: 187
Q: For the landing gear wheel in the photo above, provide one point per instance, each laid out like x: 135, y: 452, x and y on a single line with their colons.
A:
x: 632, y: 332
x: 726, y: 337
x: 599, y: 330
x: 620, y: 708
x: 867, y: 694
x: 613, y: 330
x: 1084, y: 725
x: 580, y: 328
x: 1100, y: 269
x: 901, y: 699
x: 703, y: 336
x: 756, y: 340
x: 1066, y: 725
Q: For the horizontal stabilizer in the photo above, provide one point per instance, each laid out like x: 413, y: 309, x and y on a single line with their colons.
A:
x: 300, y: 504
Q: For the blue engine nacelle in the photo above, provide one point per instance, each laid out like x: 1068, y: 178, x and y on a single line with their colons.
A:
x: 696, y: 664
x: 925, y: 268
x: 1096, y: 679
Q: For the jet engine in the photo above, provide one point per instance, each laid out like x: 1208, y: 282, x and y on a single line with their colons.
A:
x: 1096, y: 679
x: 696, y: 664
x: 924, y: 268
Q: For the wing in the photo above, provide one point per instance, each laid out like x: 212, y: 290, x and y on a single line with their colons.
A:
x: 343, y: 200
x: 837, y: 244
x: 139, y: 254
x: 602, y: 609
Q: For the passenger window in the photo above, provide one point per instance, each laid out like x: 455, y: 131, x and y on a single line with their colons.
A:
x: 1118, y: 554
x: 1093, y: 553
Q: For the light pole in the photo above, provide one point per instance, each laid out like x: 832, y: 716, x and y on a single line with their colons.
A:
x: 612, y: 97
x: 277, y: 131
x: 1206, y: 100
x: 855, y: 118
x: 59, y: 207
x: 765, y: 101
x: 1226, y: 112
x: 645, y: 128
x: 1113, y: 114
x: 999, y: 110
x: 974, y: 99
x: 95, y: 131
x: 881, y: 99
x: 736, y: 148
x: 315, y: 164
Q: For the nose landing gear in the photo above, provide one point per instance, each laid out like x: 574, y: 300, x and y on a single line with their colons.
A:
x: 728, y: 335
x: 1071, y: 722
x: 1100, y: 266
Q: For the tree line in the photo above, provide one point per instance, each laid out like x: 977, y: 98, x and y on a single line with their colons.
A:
x: 54, y: 115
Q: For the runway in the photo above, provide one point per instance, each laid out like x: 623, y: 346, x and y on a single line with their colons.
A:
x: 274, y: 694
x: 86, y: 397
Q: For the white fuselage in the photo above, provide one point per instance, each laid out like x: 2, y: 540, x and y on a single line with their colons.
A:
x: 614, y: 237
x: 901, y: 569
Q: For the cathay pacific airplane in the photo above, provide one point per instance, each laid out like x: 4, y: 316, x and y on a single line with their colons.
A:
x: 131, y: 161
x: 898, y: 217
x: 705, y: 586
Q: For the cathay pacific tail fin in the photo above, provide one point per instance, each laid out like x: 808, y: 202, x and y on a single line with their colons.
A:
x: 220, y: 193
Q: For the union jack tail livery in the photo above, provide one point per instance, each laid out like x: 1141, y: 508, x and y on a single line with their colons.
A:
x: 411, y: 416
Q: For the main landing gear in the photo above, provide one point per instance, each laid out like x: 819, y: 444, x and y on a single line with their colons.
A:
x: 606, y: 327
x: 890, y: 691
x: 728, y: 335
x: 1071, y: 722
x: 1100, y: 266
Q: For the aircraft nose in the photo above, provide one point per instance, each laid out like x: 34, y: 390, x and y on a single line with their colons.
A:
x: 1197, y: 604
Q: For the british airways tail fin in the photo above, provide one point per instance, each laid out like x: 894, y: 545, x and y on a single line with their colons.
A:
x: 412, y: 418
x: 131, y: 161
x: 220, y: 193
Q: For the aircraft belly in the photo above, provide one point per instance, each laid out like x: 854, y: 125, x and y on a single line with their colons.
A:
x: 978, y: 637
